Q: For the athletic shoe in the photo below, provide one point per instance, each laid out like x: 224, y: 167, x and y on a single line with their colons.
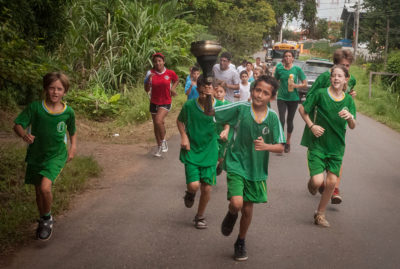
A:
x: 336, y: 198
x: 320, y: 220
x: 219, y: 168
x: 200, y: 223
x: 287, y: 148
x: 311, y: 188
x: 164, y: 146
x: 228, y: 223
x: 240, y: 252
x: 44, y: 229
x: 157, y: 153
x: 321, y: 188
x: 189, y: 199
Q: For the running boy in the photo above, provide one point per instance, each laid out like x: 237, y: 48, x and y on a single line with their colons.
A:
x: 47, y: 152
x: 199, y: 149
x: 244, y: 86
x: 191, y: 84
x: 257, y: 132
x: 224, y: 131
x: 335, y: 110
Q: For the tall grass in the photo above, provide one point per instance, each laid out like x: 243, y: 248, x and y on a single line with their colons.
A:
x: 110, y: 43
x: 384, y: 104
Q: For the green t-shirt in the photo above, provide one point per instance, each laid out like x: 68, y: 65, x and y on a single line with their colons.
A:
x: 323, y: 81
x: 202, y: 132
x: 49, y: 130
x: 220, y: 126
x: 282, y: 75
x: 241, y: 157
x: 332, y: 142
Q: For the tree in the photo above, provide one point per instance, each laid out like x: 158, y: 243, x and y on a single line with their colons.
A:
x: 309, y: 15
x: 321, y: 29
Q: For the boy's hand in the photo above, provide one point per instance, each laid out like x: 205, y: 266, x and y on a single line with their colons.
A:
x: 224, y: 135
x: 353, y: 93
x: 28, y: 138
x: 317, y: 130
x: 259, y: 144
x: 185, y: 144
x: 173, y: 93
x: 345, y: 114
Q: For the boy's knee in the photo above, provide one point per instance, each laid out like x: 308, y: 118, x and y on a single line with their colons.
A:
x: 205, y: 187
x: 236, y: 205
x: 193, y: 186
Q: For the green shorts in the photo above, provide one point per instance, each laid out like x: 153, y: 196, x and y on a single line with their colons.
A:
x: 35, y: 173
x: 203, y: 174
x: 251, y: 191
x: 318, y: 162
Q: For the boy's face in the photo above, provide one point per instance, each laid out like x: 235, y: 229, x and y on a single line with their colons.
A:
x: 195, y: 75
x: 346, y: 63
x: 244, y: 78
x: 261, y: 94
x: 338, y: 78
x: 55, y: 92
x: 256, y: 74
x: 219, y: 93
x: 205, y: 90
x: 224, y: 63
x: 249, y: 67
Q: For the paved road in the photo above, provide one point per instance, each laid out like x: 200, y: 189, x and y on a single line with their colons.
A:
x: 141, y: 221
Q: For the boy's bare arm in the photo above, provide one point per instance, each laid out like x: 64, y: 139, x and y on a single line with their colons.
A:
x: 224, y: 134
x: 315, y: 129
x: 72, y: 148
x: 173, y: 88
x: 185, y: 143
x: 28, y: 138
x: 260, y: 145
x: 344, y: 114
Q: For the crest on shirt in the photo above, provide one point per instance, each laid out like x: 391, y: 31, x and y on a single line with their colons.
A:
x: 166, y: 77
x: 61, y: 127
x: 265, y: 130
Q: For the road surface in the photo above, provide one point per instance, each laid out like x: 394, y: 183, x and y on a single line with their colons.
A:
x: 141, y: 221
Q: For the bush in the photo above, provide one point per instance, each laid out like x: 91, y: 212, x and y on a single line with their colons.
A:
x: 393, y: 66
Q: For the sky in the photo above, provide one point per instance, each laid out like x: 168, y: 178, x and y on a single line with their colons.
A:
x: 327, y: 9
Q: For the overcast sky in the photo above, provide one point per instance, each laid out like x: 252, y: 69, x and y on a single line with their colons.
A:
x: 327, y: 9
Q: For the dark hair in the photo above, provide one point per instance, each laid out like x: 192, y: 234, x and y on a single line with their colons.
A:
x: 201, y: 81
x: 194, y: 69
x: 226, y: 55
x: 340, y: 54
x: 269, y: 80
x: 218, y: 83
x: 343, y: 68
x: 54, y: 76
x: 288, y: 51
x: 243, y: 72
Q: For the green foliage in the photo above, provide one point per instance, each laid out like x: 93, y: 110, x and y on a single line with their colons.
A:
x: 290, y: 35
x: 18, y: 207
x: 374, y: 21
x: 321, y: 29
x: 393, y: 66
x: 309, y: 15
x: 384, y: 105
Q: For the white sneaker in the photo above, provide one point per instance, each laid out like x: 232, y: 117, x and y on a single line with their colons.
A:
x: 158, y: 152
x: 164, y: 146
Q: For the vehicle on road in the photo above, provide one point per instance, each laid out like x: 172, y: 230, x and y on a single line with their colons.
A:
x: 312, y: 69
x: 277, y: 50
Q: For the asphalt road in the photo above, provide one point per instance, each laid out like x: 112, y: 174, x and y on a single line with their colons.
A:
x: 141, y: 221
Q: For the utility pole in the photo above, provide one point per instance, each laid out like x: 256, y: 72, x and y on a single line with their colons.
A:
x: 387, y: 40
x: 357, y: 21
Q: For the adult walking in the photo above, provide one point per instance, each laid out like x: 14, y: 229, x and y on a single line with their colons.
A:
x: 288, y: 97
x: 228, y: 75
x: 161, y: 83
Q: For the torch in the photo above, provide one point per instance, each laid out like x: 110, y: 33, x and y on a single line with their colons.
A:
x: 206, y: 52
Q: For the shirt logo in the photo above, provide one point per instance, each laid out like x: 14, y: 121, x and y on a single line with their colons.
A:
x: 265, y: 130
x: 166, y: 77
x: 61, y: 127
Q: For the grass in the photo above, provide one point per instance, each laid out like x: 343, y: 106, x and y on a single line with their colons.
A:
x: 384, y: 105
x: 18, y: 209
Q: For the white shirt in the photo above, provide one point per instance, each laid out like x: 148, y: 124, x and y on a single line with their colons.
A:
x: 229, y: 76
x: 244, y: 92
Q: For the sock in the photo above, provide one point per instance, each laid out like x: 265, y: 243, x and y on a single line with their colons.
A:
x: 239, y: 241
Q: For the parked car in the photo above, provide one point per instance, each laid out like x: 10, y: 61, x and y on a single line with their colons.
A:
x: 312, y: 69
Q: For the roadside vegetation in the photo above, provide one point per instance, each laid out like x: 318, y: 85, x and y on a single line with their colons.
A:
x: 18, y: 207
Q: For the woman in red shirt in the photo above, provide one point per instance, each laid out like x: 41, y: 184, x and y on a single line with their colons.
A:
x: 161, y: 83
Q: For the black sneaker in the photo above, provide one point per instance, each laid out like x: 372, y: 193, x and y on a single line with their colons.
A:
x: 44, y: 229
x: 189, y: 199
x: 228, y: 223
x: 240, y: 252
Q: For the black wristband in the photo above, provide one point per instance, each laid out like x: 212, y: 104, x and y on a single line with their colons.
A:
x: 311, y: 126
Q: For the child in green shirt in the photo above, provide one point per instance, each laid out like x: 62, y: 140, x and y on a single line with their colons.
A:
x: 257, y: 132
x: 49, y: 120
x: 335, y: 110
x: 199, y: 149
